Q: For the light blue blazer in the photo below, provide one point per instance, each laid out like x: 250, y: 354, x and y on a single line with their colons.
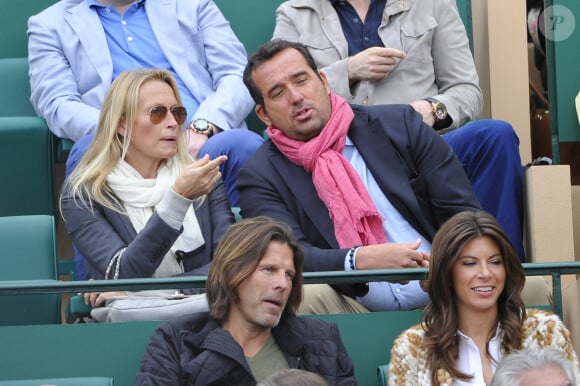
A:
x: 71, y: 68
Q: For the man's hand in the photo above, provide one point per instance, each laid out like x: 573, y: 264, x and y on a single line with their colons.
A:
x: 391, y: 255
x: 424, y: 108
x: 373, y: 63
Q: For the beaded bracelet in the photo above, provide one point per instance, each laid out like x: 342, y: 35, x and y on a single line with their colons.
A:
x: 352, y: 257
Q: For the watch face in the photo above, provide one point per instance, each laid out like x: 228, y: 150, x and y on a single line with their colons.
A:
x: 440, y: 110
x: 201, y: 125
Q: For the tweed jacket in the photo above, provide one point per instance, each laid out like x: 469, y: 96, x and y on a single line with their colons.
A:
x: 439, y: 63
x: 71, y: 68
x: 408, y: 359
x: 100, y: 232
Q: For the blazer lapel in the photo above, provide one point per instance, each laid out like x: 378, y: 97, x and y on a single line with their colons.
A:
x: 165, y: 26
x: 122, y: 224
x: 375, y: 147
x: 86, y: 24
x: 299, y: 182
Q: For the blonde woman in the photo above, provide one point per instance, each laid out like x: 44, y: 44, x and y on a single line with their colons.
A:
x: 137, y: 205
x: 476, y: 313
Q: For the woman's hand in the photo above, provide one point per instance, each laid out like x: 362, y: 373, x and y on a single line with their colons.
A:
x: 199, y: 178
x: 97, y: 299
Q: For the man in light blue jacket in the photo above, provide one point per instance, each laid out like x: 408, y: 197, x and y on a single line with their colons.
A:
x: 77, y: 48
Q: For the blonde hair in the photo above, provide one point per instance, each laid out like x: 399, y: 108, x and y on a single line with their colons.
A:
x: 87, y: 183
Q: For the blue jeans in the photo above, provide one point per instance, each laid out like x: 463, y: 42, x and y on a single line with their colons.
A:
x: 488, y: 150
x: 237, y: 144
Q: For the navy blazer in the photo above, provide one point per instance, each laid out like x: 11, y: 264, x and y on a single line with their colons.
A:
x: 101, y: 232
x: 415, y: 168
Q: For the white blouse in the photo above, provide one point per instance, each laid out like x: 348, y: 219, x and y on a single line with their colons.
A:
x: 469, y: 361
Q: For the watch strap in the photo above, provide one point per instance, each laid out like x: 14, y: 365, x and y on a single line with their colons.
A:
x: 211, y: 130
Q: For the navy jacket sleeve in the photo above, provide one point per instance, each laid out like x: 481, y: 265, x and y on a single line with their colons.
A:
x: 100, y: 232
x: 160, y: 363
x: 265, y: 192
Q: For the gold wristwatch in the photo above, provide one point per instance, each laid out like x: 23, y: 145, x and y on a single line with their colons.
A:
x: 442, y: 118
x: 202, y: 126
x: 438, y: 109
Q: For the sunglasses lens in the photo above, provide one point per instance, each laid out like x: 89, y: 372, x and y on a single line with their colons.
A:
x: 157, y: 114
x: 180, y: 114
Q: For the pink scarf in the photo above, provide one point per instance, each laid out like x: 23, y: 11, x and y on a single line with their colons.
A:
x: 356, y: 219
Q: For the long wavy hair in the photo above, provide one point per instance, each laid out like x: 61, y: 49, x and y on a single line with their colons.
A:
x: 87, y: 183
x: 441, y: 316
x: 238, y: 255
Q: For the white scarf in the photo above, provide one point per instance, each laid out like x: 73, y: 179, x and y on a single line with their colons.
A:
x: 140, y: 196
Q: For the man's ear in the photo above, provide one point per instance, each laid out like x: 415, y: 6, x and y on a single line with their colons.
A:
x: 261, y: 113
x: 325, y: 81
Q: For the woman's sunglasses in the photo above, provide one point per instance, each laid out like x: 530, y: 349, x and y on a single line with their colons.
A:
x: 158, y: 113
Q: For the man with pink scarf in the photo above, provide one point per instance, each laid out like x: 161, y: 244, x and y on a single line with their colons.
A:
x: 363, y: 187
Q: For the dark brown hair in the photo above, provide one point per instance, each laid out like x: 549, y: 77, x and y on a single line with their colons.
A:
x: 267, y: 52
x: 238, y: 255
x: 441, y: 315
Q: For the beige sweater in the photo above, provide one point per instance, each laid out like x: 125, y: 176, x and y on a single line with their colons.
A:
x: 408, y: 364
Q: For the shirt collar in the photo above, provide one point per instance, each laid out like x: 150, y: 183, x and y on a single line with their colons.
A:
x: 494, y: 338
x: 96, y: 4
x: 336, y: 2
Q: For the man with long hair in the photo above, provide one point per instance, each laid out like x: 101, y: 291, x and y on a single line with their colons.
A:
x: 251, y: 332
